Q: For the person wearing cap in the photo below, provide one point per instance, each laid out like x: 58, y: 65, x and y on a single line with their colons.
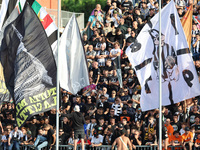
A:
x: 115, y: 9
x: 122, y: 142
x: 187, y: 139
x: 33, y: 126
x: 115, y: 18
x: 97, y: 140
x: 176, y: 140
x: 78, y: 125
x: 117, y: 132
x: 15, y: 137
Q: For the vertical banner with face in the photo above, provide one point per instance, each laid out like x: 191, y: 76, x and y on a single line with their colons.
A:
x: 179, y: 77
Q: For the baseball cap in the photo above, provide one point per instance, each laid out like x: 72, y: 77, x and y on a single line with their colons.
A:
x: 115, y: 12
x: 187, y: 129
x: 120, y: 125
x: 15, y: 125
x: 77, y: 108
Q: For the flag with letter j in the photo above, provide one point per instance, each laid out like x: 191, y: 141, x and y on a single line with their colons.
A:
x: 28, y: 66
x: 179, y: 77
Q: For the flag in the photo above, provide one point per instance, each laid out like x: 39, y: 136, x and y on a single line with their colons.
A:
x: 47, y: 22
x: 179, y: 77
x: 4, y: 93
x: 74, y: 72
x: 28, y: 66
x: 186, y: 22
x: 6, y: 9
x: 117, y: 63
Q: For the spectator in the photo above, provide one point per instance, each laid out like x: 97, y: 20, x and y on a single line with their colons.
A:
x: 197, y: 142
x: 187, y: 139
x: 90, y: 54
x: 96, y: 72
x: 122, y: 142
x: 91, y: 19
x: 97, y: 140
x: 144, y: 10
x: 90, y: 127
x: 128, y: 16
x: 114, y: 9
x: 62, y: 137
x: 15, y: 137
x: 123, y: 27
x: 41, y: 140
x: 169, y: 127
x: 115, y: 18
x: 175, y: 123
x: 116, y: 51
x: 4, y: 140
x: 176, y: 139
x: 78, y: 122
x: 117, y: 106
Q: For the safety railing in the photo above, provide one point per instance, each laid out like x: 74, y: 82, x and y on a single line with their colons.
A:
x: 105, y: 147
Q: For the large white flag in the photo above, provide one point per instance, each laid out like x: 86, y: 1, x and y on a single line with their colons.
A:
x: 74, y: 72
x: 179, y: 77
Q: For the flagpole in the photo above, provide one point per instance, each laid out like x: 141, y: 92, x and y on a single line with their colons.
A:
x: 160, y: 83
x: 57, y: 83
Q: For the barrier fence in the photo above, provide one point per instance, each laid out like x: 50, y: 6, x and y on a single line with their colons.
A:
x: 106, y: 147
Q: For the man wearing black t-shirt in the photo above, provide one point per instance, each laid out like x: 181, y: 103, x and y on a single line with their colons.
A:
x: 108, y: 6
x: 78, y: 125
x: 126, y: 4
x: 33, y: 127
x: 51, y: 136
x: 96, y: 72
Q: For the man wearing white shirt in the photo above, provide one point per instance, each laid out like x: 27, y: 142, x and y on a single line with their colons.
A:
x: 116, y: 51
x: 97, y: 140
x: 15, y: 137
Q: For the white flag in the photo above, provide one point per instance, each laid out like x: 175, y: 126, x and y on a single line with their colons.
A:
x: 74, y: 72
x: 179, y: 77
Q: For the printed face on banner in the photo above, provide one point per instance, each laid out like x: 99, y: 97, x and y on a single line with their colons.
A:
x: 178, y: 74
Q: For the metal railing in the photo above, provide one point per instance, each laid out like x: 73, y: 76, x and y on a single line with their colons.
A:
x: 104, y: 147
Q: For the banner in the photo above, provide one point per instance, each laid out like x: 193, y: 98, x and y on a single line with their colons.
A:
x: 6, y: 9
x: 74, y: 72
x: 28, y: 65
x: 179, y: 77
x: 186, y: 22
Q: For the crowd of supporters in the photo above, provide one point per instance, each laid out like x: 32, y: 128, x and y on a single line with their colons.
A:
x: 107, y: 108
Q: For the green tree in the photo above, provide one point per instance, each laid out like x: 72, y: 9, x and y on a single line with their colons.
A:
x: 82, y: 6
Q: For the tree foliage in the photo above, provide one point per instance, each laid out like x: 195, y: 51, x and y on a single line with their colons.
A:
x: 82, y: 6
